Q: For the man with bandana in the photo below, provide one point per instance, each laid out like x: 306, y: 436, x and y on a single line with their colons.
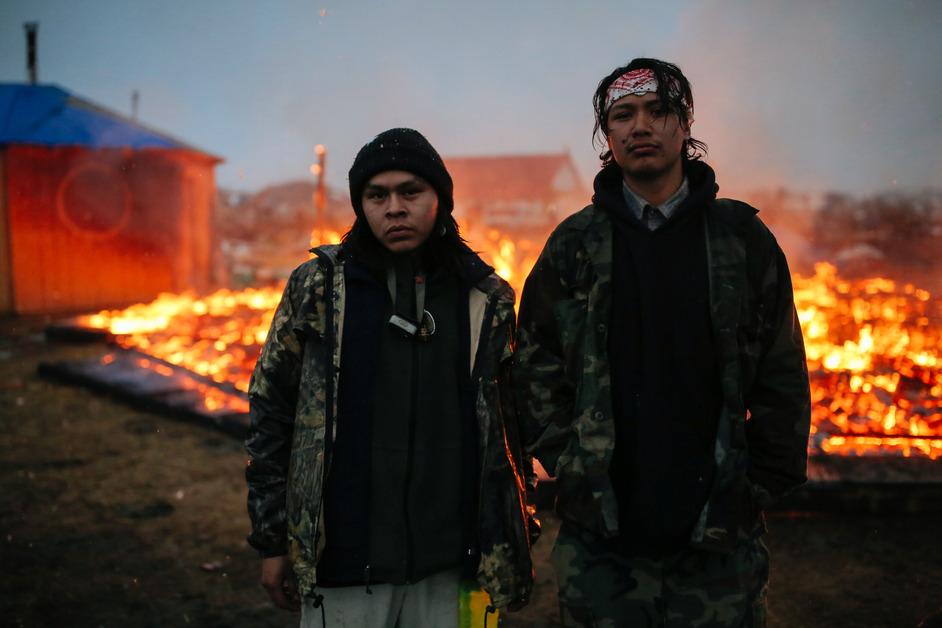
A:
x: 384, y: 460
x: 661, y: 376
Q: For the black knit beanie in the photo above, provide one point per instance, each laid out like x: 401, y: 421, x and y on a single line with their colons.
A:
x: 400, y: 149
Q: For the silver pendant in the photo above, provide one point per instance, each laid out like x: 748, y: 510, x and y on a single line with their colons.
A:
x: 427, y: 327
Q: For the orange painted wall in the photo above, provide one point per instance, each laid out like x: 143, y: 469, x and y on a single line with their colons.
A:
x: 106, y: 228
x: 6, y: 286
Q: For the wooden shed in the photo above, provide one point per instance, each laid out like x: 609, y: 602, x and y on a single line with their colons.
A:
x: 96, y: 210
x: 517, y: 192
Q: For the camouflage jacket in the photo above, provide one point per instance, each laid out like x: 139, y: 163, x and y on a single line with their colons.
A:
x: 293, y: 398
x: 563, y: 379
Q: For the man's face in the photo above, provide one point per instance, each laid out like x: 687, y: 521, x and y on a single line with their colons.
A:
x: 646, y: 140
x: 400, y: 208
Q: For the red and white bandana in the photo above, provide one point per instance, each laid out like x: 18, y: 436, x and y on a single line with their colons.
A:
x: 634, y: 83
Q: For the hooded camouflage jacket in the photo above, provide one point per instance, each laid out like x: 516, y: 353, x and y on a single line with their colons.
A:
x: 562, y: 373
x: 293, y: 398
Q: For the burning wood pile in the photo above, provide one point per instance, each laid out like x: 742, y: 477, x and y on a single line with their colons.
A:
x: 217, y: 336
x: 876, y: 375
x: 873, y: 350
x: 189, y: 354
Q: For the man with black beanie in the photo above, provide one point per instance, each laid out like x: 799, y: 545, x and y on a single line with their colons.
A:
x: 382, y: 470
x: 661, y: 376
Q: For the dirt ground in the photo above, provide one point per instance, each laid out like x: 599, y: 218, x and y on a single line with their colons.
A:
x: 110, y: 516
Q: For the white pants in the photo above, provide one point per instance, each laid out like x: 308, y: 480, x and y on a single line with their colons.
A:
x: 430, y: 603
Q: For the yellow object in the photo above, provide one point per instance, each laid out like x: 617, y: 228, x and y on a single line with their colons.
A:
x: 473, y: 603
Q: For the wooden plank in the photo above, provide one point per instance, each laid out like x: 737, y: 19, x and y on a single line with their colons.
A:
x: 28, y: 196
x: 199, y: 198
x: 171, y: 390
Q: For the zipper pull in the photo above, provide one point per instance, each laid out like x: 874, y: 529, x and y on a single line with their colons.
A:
x: 366, y: 577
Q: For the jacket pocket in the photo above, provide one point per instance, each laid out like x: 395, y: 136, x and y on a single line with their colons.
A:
x: 570, y: 316
x: 306, y: 471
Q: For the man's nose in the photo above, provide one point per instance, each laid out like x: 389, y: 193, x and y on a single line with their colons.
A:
x: 642, y: 124
x: 395, y: 206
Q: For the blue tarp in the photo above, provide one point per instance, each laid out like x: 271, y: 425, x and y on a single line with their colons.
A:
x: 47, y: 115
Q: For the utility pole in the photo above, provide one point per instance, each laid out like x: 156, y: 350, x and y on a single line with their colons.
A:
x: 319, y: 170
x: 32, y: 69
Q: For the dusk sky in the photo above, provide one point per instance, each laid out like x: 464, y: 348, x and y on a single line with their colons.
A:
x: 814, y: 95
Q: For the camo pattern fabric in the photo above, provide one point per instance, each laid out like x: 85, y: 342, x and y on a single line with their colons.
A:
x: 293, y: 399
x: 600, y: 587
x: 563, y: 381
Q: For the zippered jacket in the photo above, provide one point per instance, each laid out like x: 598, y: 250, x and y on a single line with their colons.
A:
x: 562, y: 374
x: 293, y: 400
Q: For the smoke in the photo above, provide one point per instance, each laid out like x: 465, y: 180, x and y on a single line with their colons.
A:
x: 840, y: 95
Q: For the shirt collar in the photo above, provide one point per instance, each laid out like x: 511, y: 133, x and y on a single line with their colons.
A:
x: 637, y: 202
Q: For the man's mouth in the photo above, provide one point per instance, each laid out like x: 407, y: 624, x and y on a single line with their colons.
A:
x: 640, y: 149
x: 398, y: 231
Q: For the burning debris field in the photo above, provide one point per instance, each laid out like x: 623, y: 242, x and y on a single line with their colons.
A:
x: 179, y: 353
x: 872, y: 347
x: 873, y: 354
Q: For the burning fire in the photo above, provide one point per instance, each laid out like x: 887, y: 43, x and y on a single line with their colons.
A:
x: 218, y: 336
x: 876, y: 373
x: 511, y: 260
x: 872, y: 345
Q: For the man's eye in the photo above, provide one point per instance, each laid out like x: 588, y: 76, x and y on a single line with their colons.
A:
x: 657, y: 113
x: 375, y: 196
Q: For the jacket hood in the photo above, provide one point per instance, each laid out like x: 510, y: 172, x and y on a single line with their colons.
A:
x: 471, y: 269
x: 609, y: 196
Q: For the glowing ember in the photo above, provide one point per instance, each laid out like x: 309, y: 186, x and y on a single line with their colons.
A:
x: 876, y: 373
x: 872, y: 344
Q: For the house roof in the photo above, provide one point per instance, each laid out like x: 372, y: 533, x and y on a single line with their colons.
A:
x: 509, y: 177
x: 47, y: 115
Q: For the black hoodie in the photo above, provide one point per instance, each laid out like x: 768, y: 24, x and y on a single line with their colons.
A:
x: 665, y: 378
x: 400, y: 494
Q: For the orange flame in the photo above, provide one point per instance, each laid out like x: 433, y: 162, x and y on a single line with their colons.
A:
x: 873, y: 354
x: 872, y: 347
x: 218, y: 335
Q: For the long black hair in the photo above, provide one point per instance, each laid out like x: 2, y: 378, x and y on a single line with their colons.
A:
x: 673, y: 92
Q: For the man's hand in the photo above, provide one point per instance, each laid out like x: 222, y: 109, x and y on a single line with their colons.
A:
x: 278, y: 580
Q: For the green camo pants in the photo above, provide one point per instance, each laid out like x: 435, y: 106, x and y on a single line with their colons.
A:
x: 600, y: 587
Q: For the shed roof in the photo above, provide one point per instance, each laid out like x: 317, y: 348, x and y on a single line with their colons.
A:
x: 47, y: 115
x: 509, y: 177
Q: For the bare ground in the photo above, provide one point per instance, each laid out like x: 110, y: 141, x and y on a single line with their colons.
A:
x: 110, y: 516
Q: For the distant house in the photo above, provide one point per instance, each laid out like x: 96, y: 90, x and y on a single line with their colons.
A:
x: 518, y: 193
x: 267, y: 234
x: 96, y: 210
